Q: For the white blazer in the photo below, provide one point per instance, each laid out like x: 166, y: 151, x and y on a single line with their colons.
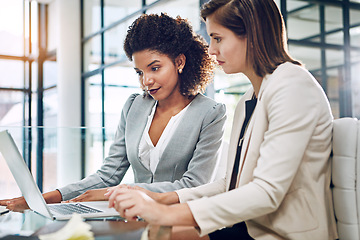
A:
x: 283, y: 188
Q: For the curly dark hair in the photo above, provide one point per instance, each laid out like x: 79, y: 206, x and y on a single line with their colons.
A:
x: 173, y: 37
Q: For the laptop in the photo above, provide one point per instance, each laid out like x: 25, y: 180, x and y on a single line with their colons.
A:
x: 32, y: 195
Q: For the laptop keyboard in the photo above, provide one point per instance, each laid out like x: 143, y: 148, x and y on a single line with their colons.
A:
x: 69, y: 209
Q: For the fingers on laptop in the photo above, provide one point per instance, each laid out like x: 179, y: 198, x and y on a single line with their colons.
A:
x: 3, y: 202
x: 17, y: 204
x: 91, y: 195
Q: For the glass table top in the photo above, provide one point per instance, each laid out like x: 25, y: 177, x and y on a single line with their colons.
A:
x: 29, y: 223
x: 14, y: 223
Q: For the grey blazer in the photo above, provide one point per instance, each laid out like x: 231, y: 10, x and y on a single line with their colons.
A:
x: 188, y: 160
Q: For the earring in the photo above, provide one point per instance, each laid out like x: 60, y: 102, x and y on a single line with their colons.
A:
x: 180, y: 70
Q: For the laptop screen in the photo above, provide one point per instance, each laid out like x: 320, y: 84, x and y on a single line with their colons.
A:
x: 22, y: 175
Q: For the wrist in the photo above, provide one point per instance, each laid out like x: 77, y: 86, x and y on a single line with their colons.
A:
x: 167, y: 198
x: 53, y: 196
x: 177, y: 214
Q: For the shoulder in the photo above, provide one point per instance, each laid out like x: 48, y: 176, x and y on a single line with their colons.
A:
x: 293, y: 87
x: 293, y: 74
x: 203, y: 107
x: 130, y: 101
x: 293, y: 79
x: 135, y: 99
x: 204, y: 103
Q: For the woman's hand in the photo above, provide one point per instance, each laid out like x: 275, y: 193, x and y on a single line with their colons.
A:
x: 91, y: 195
x: 164, y: 198
x: 131, y: 204
x: 153, y: 195
x: 15, y: 204
x: 19, y: 204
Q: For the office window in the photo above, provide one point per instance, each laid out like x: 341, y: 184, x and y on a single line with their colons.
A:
x: 228, y: 90
x: 24, y: 78
x: 94, y: 102
x: 108, y: 77
x: 113, y: 43
x: 92, y: 54
x: 188, y: 9
x: 92, y: 16
x: 120, y: 83
x: 319, y: 37
x: 11, y: 27
x: 12, y: 74
x: 116, y: 10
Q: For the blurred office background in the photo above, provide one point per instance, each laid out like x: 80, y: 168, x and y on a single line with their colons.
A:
x: 64, y: 76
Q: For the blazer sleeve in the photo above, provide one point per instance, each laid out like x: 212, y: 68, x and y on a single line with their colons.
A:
x: 293, y: 110
x: 202, y: 164
x: 114, y: 167
x: 206, y: 190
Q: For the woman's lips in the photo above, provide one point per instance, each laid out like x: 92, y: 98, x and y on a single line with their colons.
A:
x: 153, y: 91
x: 220, y: 62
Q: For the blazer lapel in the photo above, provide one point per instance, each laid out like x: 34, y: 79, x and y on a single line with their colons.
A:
x: 238, y: 121
x: 136, y: 121
x: 246, y: 162
x: 245, y: 148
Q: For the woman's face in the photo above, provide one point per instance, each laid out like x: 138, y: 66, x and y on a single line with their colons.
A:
x: 157, y: 73
x: 229, y: 48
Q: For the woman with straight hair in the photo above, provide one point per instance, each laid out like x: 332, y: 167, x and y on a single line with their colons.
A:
x: 277, y: 184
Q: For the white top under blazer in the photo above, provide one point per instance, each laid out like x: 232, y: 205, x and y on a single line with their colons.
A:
x: 148, y: 153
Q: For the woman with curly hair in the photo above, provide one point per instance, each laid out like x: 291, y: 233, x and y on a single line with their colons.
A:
x: 171, y: 134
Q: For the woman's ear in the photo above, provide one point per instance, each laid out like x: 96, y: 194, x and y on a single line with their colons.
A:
x: 180, y: 62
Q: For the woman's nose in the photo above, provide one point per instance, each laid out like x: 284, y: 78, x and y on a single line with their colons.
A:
x: 212, y: 50
x: 147, y: 80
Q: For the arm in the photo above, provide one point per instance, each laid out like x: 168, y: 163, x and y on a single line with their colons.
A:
x: 114, y: 167
x: 200, y: 168
x: 186, y: 194
x: 166, y: 198
x: 179, y: 196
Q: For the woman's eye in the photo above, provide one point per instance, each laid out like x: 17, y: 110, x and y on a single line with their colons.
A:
x: 217, y: 39
x: 154, y: 69
x: 139, y: 73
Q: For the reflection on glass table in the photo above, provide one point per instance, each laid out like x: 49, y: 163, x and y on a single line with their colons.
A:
x: 32, y: 224
x: 14, y: 223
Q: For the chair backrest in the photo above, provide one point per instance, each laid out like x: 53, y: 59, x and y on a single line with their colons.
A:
x: 346, y: 176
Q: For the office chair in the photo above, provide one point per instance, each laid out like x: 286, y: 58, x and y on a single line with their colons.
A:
x: 346, y: 177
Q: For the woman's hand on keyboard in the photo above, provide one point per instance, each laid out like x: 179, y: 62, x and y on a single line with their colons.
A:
x: 91, y: 195
x: 15, y: 204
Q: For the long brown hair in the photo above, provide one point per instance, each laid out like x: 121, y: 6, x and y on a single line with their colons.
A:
x: 261, y: 22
